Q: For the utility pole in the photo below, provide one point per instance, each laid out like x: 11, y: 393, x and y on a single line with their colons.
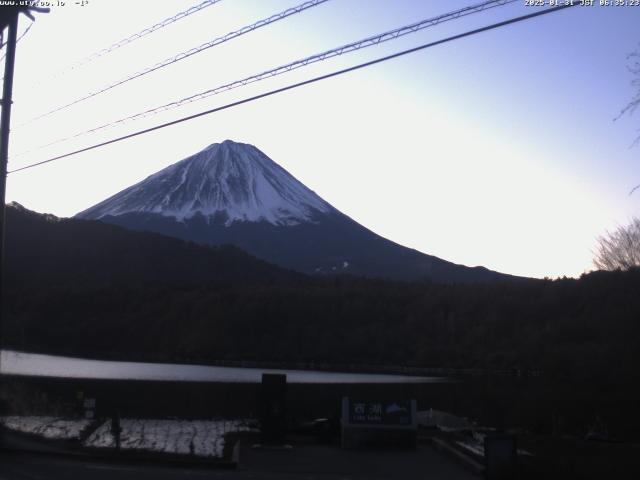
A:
x: 7, y: 93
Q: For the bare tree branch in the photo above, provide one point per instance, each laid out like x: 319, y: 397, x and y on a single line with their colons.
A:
x: 634, y: 68
x: 620, y: 249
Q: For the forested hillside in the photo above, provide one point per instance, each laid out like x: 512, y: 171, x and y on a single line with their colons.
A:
x: 85, y: 288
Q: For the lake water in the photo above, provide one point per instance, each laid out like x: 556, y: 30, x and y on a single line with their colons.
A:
x: 34, y: 364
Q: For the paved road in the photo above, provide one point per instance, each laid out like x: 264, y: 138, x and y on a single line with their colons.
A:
x: 25, y: 466
x: 307, y: 462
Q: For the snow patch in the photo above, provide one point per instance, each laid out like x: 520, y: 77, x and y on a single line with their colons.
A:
x: 203, y: 438
x: 47, y: 427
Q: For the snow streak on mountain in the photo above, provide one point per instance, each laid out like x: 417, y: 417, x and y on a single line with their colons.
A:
x: 229, y: 181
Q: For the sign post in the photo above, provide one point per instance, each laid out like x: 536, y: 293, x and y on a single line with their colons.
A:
x: 273, y: 409
x: 500, y: 457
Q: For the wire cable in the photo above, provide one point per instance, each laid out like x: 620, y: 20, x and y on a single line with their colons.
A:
x: 302, y: 83
x: 182, y: 55
x: 350, y: 47
x: 26, y: 30
x: 143, y: 33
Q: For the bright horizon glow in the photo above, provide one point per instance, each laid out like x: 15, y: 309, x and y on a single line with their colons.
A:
x: 497, y: 150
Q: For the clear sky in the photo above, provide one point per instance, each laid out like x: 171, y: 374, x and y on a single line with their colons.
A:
x: 498, y: 150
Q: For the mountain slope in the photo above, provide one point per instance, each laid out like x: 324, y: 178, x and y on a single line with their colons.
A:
x: 233, y: 193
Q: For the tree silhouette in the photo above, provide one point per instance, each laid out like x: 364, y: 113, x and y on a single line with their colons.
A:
x: 620, y: 249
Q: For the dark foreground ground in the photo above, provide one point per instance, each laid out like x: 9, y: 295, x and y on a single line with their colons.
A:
x: 304, y: 462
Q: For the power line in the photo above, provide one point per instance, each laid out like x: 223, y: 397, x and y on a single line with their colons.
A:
x: 26, y: 30
x: 143, y: 33
x: 182, y: 55
x: 350, y: 47
x: 302, y: 83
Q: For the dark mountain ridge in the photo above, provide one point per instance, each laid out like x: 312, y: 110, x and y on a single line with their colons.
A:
x: 42, y: 249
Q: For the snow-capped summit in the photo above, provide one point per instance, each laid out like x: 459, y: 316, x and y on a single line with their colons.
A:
x: 228, y: 181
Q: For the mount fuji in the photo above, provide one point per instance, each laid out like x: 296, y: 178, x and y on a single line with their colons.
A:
x: 232, y: 193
